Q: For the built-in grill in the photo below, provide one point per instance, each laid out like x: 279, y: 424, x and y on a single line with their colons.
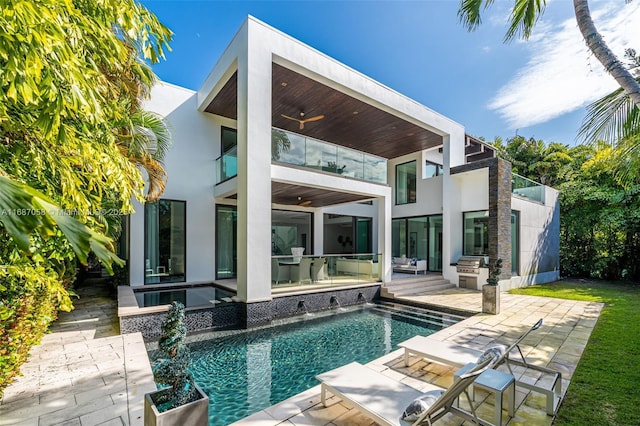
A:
x: 468, y: 268
x: 469, y: 265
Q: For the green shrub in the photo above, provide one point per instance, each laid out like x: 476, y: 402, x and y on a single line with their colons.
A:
x: 30, y: 298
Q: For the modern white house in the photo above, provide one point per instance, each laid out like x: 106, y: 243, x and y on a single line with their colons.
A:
x: 284, y: 147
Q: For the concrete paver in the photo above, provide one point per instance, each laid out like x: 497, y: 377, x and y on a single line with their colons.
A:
x: 83, y: 372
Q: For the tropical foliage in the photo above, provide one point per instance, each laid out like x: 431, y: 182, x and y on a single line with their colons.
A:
x: 72, y: 135
x: 599, y: 212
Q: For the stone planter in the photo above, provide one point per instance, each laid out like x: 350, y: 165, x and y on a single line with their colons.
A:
x: 195, y: 413
x: 491, y: 299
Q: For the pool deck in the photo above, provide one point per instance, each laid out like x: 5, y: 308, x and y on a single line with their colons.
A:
x: 85, y: 373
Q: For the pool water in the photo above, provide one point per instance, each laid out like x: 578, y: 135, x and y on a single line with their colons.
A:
x: 190, y: 297
x: 249, y: 371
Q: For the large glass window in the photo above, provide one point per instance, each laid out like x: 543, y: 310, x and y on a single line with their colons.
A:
x: 515, y: 242
x: 363, y: 235
x: 226, y: 241
x: 165, y: 242
x: 229, y: 139
x: 399, y: 237
x: 290, y: 229
x: 476, y: 233
x: 406, y: 183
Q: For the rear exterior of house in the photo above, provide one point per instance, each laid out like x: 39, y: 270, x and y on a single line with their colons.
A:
x: 284, y: 147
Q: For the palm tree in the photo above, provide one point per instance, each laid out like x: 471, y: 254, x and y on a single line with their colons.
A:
x: 525, y: 14
x: 144, y: 138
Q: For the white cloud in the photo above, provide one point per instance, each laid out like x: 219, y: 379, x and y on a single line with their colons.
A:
x: 561, y: 75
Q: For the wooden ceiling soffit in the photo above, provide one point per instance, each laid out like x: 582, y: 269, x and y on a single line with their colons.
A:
x: 225, y: 102
x: 347, y: 121
x: 298, y: 195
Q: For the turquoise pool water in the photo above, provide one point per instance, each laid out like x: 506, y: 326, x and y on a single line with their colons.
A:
x: 246, y: 372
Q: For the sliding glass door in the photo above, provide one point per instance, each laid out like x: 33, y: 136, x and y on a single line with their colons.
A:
x: 434, y: 263
x: 420, y: 238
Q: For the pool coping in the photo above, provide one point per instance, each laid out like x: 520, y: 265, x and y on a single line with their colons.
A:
x: 128, y: 305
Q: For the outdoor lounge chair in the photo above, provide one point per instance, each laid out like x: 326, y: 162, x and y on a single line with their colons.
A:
x: 385, y: 399
x: 457, y: 356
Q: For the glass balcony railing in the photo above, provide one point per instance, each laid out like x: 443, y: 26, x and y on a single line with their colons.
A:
x: 526, y: 188
x: 227, y: 165
x: 289, y: 273
x: 298, y: 150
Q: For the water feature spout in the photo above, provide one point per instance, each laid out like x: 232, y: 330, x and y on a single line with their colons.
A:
x: 302, y: 307
x: 361, y: 298
x: 334, y: 302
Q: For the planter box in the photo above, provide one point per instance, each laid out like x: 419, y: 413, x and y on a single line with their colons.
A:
x: 491, y: 299
x: 195, y: 413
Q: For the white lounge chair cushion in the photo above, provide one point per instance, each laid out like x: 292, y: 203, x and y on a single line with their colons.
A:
x: 374, y: 393
x: 442, y: 352
x: 418, y: 406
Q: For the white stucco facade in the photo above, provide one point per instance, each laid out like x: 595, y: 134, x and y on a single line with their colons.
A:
x: 197, y: 141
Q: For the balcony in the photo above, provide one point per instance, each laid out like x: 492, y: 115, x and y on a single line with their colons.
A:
x: 526, y: 188
x: 297, y: 150
x: 227, y: 165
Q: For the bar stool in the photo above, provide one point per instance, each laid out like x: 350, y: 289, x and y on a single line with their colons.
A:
x: 496, y: 382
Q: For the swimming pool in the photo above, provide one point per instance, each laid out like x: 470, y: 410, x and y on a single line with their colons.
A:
x: 245, y: 372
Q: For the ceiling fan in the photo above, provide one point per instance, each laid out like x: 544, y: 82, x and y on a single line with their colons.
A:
x: 303, y: 120
x: 305, y: 203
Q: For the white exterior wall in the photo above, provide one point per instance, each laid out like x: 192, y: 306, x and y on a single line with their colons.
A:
x: 428, y: 191
x: 539, y: 241
x: 191, y: 174
x: 470, y: 192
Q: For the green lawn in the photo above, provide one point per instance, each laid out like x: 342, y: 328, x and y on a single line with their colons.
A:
x: 605, y: 388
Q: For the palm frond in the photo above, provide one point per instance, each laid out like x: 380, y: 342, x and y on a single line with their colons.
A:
x: 154, y: 132
x: 469, y: 13
x: 611, y: 118
x: 524, y: 15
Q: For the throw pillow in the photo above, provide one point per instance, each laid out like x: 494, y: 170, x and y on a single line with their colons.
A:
x: 494, y: 352
x: 419, y: 405
x: 414, y: 261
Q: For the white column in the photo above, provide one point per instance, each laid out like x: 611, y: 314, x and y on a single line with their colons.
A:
x: 453, y: 155
x: 384, y: 236
x: 254, y: 168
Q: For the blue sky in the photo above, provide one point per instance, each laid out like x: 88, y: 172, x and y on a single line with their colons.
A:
x: 536, y: 88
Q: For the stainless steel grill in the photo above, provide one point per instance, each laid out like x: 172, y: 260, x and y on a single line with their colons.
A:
x: 469, y: 265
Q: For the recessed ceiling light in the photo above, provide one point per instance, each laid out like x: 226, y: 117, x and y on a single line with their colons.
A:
x: 283, y: 84
x: 410, y: 134
x: 355, y: 112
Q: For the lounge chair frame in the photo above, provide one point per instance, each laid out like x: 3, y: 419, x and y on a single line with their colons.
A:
x: 437, y: 351
x: 377, y: 383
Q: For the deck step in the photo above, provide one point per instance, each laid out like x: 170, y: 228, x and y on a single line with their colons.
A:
x: 415, y: 286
